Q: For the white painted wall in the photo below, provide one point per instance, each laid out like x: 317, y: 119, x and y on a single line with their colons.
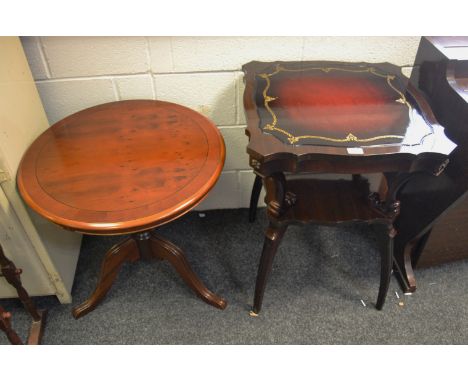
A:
x: 203, y: 73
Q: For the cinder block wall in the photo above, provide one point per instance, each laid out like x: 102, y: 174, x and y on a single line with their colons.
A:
x: 203, y: 73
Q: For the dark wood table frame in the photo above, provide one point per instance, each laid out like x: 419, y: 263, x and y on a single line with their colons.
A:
x: 125, y: 167
x: 433, y: 227
x: 277, y: 99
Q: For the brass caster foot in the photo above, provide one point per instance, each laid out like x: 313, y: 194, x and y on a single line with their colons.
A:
x: 253, y: 314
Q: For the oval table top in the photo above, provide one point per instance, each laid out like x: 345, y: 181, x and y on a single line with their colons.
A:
x: 122, y: 167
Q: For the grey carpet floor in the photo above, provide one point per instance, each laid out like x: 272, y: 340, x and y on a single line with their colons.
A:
x: 319, y: 278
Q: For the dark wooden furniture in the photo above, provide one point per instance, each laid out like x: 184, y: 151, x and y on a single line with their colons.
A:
x: 12, y: 276
x: 5, y: 326
x: 433, y: 229
x: 447, y: 239
x: 333, y: 117
x: 125, y: 168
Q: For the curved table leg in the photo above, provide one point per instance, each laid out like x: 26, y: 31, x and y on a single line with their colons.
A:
x: 113, y: 260
x: 391, y: 208
x: 272, y: 241
x: 406, y: 259
x: 12, y: 276
x: 165, y: 250
x: 386, y: 263
x: 404, y: 267
x: 256, y: 189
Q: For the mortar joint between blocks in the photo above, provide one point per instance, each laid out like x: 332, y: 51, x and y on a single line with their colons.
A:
x: 44, y: 59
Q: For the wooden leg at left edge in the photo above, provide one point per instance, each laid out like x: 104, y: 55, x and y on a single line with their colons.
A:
x: 36, y: 331
x: 5, y: 326
x: 12, y: 276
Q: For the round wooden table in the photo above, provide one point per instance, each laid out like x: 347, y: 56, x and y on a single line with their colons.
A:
x: 125, y: 168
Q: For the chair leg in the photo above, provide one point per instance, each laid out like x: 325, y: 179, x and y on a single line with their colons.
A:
x: 386, y: 264
x: 273, y: 238
x: 5, y: 326
x: 254, y: 196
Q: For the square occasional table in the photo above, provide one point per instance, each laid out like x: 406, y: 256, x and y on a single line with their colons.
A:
x: 339, y: 118
x: 125, y: 167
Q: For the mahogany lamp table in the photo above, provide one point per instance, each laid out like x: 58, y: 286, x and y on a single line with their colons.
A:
x: 125, y: 168
x: 339, y: 118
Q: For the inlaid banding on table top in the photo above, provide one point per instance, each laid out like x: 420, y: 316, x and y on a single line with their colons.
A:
x: 272, y: 98
x: 122, y: 167
x: 164, y: 170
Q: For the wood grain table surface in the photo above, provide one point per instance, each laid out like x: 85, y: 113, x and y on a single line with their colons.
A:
x: 122, y: 167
